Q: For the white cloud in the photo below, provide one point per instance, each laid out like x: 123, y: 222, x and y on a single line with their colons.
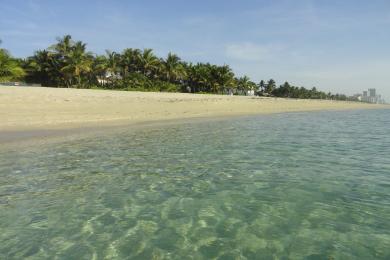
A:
x: 248, y: 51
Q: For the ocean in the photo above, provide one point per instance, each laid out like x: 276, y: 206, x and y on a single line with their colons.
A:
x: 286, y: 186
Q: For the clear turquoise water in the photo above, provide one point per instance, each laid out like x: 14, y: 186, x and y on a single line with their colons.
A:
x: 288, y: 186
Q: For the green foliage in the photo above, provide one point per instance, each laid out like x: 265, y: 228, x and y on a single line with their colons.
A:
x: 10, y: 68
x: 139, y: 82
x: 68, y: 63
x: 270, y: 87
x: 173, y: 69
x: 288, y: 91
x: 244, y: 84
x: 204, y: 77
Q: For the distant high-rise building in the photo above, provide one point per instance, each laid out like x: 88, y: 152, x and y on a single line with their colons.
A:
x: 372, y: 92
x: 371, y: 96
x: 365, y: 96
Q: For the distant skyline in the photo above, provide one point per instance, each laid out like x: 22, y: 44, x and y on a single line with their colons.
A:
x: 338, y: 46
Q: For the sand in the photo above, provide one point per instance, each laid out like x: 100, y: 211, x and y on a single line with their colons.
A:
x: 38, y: 108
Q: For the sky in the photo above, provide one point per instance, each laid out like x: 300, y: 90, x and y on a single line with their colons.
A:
x: 335, y: 45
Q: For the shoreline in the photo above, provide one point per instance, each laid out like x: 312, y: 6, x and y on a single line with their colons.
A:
x: 10, y: 140
x: 40, y: 112
x: 34, y: 136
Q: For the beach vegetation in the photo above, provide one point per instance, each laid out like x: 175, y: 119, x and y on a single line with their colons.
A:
x: 68, y: 63
x: 10, y: 68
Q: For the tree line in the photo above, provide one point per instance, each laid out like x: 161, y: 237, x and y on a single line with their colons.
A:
x: 67, y: 63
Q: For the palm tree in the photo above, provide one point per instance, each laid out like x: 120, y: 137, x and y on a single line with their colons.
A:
x: 173, y: 68
x: 204, y: 77
x: 60, y: 53
x: 243, y: 84
x: 149, y: 63
x: 224, y: 78
x: 283, y: 91
x: 68, y: 63
x: 270, y: 87
x: 77, y: 62
x: 99, y: 69
x: 261, y: 86
x: 195, y: 76
x: 113, y: 64
x: 130, y: 61
x: 43, y: 67
x: 9, y: 67
x: 63, y: 46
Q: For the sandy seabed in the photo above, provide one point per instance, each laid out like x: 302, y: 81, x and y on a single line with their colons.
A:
x: 39, y: 108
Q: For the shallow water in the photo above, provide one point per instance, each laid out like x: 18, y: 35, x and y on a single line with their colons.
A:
x: 288, y: 186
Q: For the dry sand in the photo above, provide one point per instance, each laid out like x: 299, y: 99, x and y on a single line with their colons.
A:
x: 36, y: 108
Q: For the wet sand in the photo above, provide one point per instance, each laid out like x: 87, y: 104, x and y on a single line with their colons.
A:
x: 27, y: 112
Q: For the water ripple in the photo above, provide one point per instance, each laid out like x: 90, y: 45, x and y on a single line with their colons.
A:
x: 288, y: 186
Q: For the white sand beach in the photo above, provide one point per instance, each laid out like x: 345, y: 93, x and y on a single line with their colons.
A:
x: 39, y: 108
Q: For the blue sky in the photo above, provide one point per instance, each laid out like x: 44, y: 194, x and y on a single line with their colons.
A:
x: 341, y: 46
